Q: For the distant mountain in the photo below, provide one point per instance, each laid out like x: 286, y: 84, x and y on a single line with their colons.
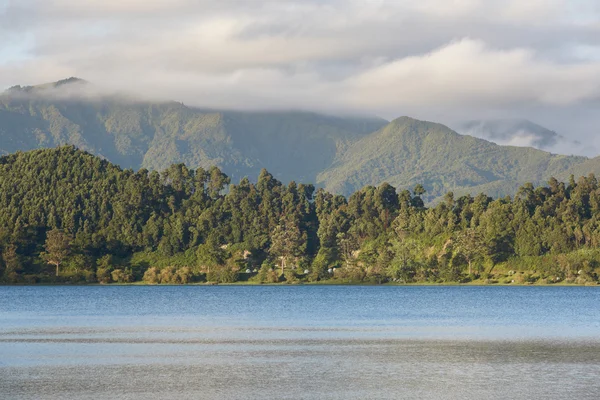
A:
x: 138, y: 134
x: 341, y: 154
x: 407, y: 151
x: 72, y: 81
x: 522, y: 133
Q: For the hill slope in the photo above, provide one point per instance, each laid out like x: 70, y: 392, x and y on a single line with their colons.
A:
x: 408, y: 151
x: 342, y: 154
x: 138, y: 134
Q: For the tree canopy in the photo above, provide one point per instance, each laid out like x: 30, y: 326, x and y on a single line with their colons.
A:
x: 66, y: 215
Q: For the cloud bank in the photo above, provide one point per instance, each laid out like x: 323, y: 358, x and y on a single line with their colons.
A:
x: 434, y: 59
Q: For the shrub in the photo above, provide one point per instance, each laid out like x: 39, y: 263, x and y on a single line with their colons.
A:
x: 89, y: 276
x: 351, y: 273
x: 290, y: 277
x: 167, y: 275
x: 184, y: 275
x: 151, y: 276
x: 223, y: 274
x: 122, y: 276
x: 103, y: 275
x: 267, y: 274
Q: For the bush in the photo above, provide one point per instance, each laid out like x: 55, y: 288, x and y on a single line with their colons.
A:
x: 184, y: 275
x: 223, y: 274
x: 103, y: 275
x: 351, y: 273
x: 151, y: 276
x: 167, y: 275
x: 267, y: 274
x: 584, y: 279
x: 11, y: 277
x: 104, y: 268
x: 122, y: 276
x: 89, y: 276
x: 290, y: 277
x: 78, y: 262
x: 519, y: 278
x: 321, y: 264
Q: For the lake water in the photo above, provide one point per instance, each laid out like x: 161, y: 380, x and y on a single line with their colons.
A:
x: 299, y: 342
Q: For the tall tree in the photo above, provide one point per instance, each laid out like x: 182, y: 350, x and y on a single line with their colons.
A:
x: 58, y: 248
x: 286, y: 242
x: 471, y: 246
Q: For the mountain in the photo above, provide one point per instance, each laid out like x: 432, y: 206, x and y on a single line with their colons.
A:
x: 521, y: 132
x: 341, y: 154
x: 72, y: 82
x: 407, y: 151
x: 139, y: 134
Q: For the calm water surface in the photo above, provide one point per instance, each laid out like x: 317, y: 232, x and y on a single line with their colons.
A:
x: 299, y: 342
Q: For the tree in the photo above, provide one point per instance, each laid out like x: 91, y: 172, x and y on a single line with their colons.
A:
x: 286, y: 242
x: 470, y: 245
x: 418, y: 191
x: 216, y: 182
x: 210, y: 254
x: 404, y: 265
x: 12, y: 261
x: 152, y: 276
x: 104, y: 267
x: 58, y: 248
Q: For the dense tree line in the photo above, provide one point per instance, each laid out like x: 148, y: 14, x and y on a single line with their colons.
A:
x: 68, y: 216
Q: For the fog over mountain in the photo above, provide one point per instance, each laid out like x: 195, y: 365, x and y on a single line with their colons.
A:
x: 485, y: 59
x: 524, y: 133
x: 340, y: 153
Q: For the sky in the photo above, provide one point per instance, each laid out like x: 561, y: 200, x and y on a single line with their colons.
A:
x: 440, y: 60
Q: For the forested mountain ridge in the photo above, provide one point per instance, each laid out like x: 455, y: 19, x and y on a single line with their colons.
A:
x: 407, y: 152
x: 139, y: 134
x: 69, y: 216
x: 341, y: 154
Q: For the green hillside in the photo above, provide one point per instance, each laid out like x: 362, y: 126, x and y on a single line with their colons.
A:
x: 408, y: 151
x: 137, y: 134
x: 342, y: 154
x: 67, y: 216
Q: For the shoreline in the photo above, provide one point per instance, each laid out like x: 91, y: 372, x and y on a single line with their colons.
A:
x: 327, y: 283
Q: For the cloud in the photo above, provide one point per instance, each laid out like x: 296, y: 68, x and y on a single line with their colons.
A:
x: 435, y: 59
x: 468, y: 73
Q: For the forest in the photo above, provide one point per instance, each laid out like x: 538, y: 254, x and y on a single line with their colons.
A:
x: 67, y: 216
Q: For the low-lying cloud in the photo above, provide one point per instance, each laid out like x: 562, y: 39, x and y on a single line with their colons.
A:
x: 434, y: 59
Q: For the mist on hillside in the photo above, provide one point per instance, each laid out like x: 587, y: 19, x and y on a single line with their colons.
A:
x: 523, y: 133
x: 336, y: 56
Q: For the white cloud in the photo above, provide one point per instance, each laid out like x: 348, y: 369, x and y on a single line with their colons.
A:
x: 468, y: 73
x: 435, y: 59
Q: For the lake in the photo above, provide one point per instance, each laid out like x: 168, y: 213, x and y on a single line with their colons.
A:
x: 299, y: 342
